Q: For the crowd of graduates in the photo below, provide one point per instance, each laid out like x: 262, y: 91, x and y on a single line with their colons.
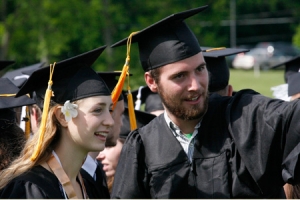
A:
x: 67, y: 131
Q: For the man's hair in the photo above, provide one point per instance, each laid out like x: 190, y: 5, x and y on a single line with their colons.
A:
x: 12, y: 141
x: 155, y: 74
x: 222, y: 92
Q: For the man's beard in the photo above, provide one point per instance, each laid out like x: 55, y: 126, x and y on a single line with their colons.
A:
x: 174, y: 106
x: 111, y: 141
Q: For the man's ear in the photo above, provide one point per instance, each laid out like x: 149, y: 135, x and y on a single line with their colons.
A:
x: 34, y: 115
x: 150, y: 82
x: 60, y: 117
x: 230, y: 90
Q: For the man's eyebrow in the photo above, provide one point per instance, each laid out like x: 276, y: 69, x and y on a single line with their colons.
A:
x: 202, y: 64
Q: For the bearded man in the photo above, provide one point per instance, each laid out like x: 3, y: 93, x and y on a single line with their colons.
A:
x: 202, y: 146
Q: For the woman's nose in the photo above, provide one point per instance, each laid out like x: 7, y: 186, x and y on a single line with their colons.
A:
x: 100, y: 156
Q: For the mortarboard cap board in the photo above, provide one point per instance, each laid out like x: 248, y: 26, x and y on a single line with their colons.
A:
x: 18, y: 77
x: 294, y: 84
x: 7, y: 87
x: 73, y: 79
x: 7, y: 115
x: 166, y: 41
x: 151, y: 100
x: 291, y: 66
x: 142, y: 118
x: 110, y: 78
x: 5, y: 63
x: 217, y: 66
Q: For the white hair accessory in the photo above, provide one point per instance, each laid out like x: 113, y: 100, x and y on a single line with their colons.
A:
x: 69, y: 110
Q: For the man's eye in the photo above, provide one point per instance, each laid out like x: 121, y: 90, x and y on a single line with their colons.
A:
x: 200, y: 68
x: 178, y: 76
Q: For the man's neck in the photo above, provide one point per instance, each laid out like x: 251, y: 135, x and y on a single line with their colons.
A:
x: 185, y: 126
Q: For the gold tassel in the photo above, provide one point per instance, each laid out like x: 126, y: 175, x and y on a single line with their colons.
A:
x: 119, y: 87
x: 131, y: 113
x: 27, y: 123
x: 42, y: 128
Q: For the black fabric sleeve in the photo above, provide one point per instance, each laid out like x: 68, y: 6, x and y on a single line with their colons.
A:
x: 22, y: 190
x: 131, y: 174
x: 266, y: 132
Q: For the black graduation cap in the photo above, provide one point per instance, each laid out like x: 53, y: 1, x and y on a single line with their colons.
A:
x: 110, y: 78
x: 142, y: 118
x: 151, y: 99
x: 217, y: 66
x: 291, y: 66
x: 73, y: 79
x: 18, y: 77
x: 294, y: 84
x: 166, y: 41
x: 7, y: 115
x: 5, y: 63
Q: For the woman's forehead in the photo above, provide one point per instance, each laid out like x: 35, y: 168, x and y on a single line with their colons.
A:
x: 101, y: 100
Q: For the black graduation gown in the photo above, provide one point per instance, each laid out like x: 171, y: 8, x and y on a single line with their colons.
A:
x: 239, y: 151
x: 96, y: 189
x: 37, y: 183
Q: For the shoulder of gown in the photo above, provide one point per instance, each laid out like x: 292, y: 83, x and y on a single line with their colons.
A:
x: 36, y: 183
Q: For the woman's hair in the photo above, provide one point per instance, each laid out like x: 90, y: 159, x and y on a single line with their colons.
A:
x: 12, y: 141
x: 110, y: 182
x: 24, y: 163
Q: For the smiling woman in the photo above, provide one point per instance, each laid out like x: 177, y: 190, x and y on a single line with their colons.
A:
x: 76, y: 120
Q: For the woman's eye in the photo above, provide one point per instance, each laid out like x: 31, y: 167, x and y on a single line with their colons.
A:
x: 98, y: 110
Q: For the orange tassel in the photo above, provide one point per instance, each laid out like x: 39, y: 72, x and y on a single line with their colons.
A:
x: 119, y: 87
x: 42, y: 128
x: 131, y: 113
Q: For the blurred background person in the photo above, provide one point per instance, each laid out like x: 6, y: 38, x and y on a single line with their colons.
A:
x: 293, y: 191
x: 109, y: 157
x: 12, y: 137
x: 291, y: 67
x: 28, y: 116
x: 219, y: 73
x: 294, y: 86
x: 147, y: 101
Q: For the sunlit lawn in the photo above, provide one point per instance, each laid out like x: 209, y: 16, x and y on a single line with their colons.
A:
x: 262, y: 83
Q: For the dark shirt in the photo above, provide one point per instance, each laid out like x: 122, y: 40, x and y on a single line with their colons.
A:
x: 97, y: 189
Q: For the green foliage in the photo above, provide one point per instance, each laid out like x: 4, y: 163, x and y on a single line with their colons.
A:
x: 46, y: 30
x: 296, y: 38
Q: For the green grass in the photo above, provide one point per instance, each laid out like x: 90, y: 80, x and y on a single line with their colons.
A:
x: 261, y: 82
